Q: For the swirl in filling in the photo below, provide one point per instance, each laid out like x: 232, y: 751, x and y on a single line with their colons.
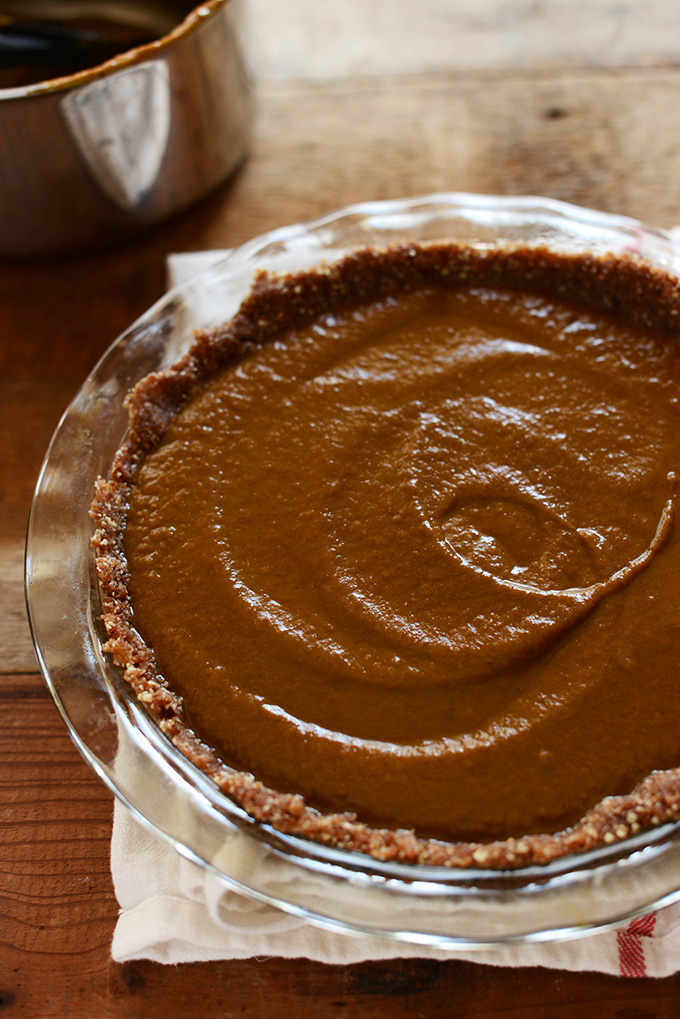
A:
x: 415, y: 559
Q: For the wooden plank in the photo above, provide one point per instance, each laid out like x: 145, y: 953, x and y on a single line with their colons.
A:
x: 602, y: 139
x: 359, y: 39
x: 56, y: 899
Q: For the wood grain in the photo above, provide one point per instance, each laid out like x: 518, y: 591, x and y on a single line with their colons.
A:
x: 465, y: 37
x: 607, y: 139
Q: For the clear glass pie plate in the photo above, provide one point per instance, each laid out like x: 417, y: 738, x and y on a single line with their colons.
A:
x: 346, y: 891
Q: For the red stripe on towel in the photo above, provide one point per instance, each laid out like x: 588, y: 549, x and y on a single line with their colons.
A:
x: 631, y: 946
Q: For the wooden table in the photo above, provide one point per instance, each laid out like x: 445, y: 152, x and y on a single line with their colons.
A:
x: 602, y: 136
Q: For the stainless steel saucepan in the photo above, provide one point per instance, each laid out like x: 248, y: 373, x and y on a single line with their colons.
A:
x: 90, y: 155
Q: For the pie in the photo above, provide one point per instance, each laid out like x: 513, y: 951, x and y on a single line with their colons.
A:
x: 391, y: 555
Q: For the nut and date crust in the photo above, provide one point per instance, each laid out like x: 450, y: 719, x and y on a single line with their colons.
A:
x: 610, y: 283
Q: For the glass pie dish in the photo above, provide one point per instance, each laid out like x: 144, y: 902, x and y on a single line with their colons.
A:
x: 444, y: 907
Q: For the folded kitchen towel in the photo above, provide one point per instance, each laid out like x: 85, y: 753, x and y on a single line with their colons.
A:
x: 172, y: 910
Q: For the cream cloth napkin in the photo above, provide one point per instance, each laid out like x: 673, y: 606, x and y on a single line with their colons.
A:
x: 173, y: 911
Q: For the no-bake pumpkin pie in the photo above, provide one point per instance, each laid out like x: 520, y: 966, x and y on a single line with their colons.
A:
x: 392, y: 557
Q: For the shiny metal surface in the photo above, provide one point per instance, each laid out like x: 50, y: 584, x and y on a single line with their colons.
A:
x: 89, y: 158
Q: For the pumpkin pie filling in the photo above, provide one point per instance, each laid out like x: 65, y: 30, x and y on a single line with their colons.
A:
x: 392, y: 555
